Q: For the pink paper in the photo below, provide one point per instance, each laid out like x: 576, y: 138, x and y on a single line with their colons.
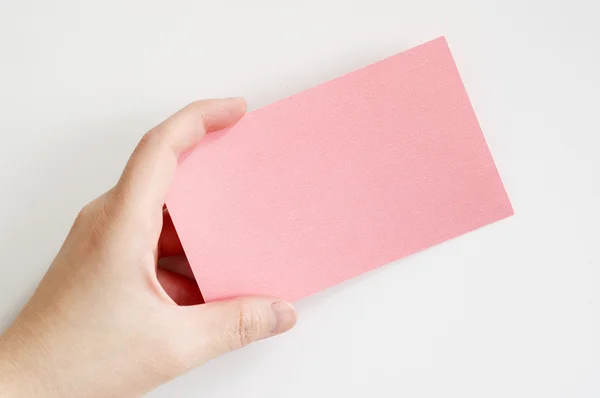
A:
x: 337, y: 180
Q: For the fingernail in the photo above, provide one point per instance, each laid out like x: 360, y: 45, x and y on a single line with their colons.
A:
x: 285, y: 316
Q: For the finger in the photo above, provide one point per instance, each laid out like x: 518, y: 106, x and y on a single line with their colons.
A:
x: 150, y: 170
x: 183, y: 291
x: 229, y: 325
x: 168, y: 243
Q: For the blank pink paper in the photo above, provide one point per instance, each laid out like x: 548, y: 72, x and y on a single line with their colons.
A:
x: 337, y: 180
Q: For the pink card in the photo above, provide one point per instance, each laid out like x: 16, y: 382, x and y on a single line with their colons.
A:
x: 337, y: 180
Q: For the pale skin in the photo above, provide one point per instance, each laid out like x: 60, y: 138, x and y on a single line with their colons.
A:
x: 105, y: 321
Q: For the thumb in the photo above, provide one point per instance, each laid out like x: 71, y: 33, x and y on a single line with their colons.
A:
x: 225, y: 326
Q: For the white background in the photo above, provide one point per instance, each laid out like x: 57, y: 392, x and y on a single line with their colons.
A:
x: 511, y: 310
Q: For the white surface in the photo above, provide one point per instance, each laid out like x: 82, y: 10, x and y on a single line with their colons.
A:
x: 511, y: 310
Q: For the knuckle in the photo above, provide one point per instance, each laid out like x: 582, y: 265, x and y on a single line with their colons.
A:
x: 85, y: 214
x: 98, y: 208
x: 196, y: 106
x: 151, y: 142
x: 93, y: 220
x: 149, y: 137
x: 153, y: 139
x: 248, y: 328
x: 198, y: 109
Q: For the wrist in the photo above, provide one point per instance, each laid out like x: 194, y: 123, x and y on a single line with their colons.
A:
x: 21, y: 366
x: 10, y: 369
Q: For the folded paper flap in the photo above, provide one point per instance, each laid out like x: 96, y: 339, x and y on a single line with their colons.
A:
x: 337, y: 180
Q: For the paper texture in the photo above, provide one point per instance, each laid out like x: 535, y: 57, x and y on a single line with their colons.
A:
x: 337, y: 180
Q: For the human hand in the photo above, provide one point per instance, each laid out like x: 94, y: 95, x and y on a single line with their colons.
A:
x: 105, y: 320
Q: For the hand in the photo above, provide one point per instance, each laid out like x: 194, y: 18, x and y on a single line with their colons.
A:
x: 105, y: 320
